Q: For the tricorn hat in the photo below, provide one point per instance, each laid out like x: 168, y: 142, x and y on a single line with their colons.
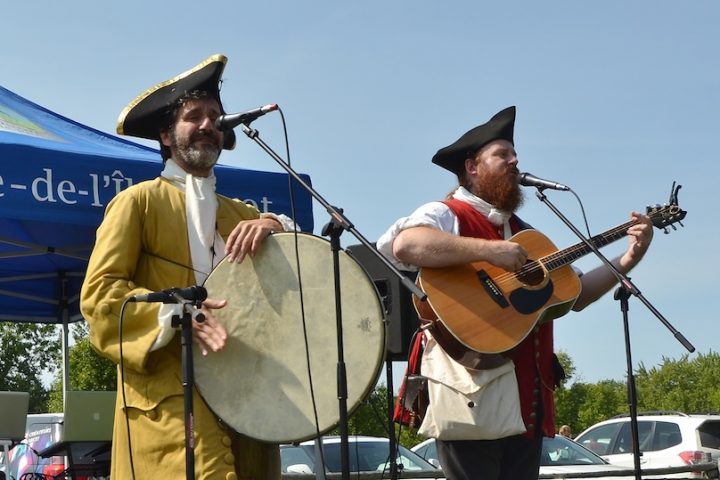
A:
x: 499, y: 127
x: 143, y: 117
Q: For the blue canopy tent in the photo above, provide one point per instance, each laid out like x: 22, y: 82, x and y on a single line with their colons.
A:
x: 56, y: 178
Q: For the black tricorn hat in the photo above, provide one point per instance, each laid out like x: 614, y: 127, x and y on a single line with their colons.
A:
x: 144, y: 116
x: 499, y: 127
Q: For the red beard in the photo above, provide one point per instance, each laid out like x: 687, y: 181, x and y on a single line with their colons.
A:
x: 500, y: 189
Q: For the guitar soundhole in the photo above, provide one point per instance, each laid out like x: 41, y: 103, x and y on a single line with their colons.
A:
x: 531, y: 273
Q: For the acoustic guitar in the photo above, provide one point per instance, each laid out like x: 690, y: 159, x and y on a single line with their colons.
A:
x: 489, y: 310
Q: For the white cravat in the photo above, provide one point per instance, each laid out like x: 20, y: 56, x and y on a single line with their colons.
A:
x: 206, y: 246
x: 495, y: 216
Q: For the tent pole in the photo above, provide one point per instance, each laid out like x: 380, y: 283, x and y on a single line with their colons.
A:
x: 65, y: 354
x: 64, y: 317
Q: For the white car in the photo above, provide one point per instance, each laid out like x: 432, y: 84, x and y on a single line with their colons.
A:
x: 666, y: 440
x: 560, y: 455
x: 367, y: 454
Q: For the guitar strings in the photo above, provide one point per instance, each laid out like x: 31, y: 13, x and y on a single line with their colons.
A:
x: 566, y: 256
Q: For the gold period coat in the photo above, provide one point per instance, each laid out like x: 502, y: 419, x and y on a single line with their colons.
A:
x: 142, y: 245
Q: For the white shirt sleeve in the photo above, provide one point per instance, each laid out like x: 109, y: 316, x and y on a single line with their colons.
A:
x: 286, y: 222
x: 167, y: 332
x: 433, y: 214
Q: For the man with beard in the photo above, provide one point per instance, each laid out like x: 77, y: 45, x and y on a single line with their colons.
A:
x: 163, y: 233
x: 488, y: 413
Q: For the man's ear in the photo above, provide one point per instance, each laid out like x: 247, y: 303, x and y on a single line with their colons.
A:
x: 470, y: 165
x: 165, y: 138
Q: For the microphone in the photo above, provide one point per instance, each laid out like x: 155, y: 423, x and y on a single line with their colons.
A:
x: 232, y: 120
x: 530, y: 180
x: 173, y: 295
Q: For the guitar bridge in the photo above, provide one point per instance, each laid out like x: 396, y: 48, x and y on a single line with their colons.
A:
x: 492, y: 289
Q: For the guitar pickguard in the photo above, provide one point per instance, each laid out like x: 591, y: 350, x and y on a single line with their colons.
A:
x: 529, y: 301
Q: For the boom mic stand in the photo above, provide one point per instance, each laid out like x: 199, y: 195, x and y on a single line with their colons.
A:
x: 338, y: 223
x: 622, y: 294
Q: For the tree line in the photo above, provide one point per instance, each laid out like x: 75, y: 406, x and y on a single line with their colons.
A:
x: 29, y: 351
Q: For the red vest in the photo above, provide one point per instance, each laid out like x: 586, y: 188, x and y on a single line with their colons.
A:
x: 533, y: 357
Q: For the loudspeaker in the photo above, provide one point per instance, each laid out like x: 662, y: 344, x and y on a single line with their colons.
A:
x: 402, y: 320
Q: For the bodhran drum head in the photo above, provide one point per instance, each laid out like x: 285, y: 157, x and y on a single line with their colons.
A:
x: 259, y: 384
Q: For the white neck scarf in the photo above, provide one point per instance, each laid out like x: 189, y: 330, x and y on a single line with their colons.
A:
x: 206, y: 246
x: 495, y: 216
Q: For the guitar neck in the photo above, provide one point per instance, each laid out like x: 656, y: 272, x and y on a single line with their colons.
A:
x: 568, y: 255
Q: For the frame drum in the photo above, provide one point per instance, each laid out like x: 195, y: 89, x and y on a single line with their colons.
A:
x: 268, y: 383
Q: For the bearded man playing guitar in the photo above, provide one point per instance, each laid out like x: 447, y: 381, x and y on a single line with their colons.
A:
x: 489, y: 413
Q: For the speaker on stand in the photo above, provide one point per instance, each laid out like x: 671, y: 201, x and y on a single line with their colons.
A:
x: 401, y: 318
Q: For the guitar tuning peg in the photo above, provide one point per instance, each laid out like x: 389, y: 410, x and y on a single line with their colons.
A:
x: 674, y: 193
x: 667, y: 227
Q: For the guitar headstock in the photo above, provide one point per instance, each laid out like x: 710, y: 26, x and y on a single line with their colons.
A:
x: 664, y: 216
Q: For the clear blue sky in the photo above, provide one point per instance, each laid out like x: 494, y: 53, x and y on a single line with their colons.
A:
x: 616, y: 99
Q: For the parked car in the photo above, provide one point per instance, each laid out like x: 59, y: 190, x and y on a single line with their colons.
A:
x: 670, y: 439
x: 560, y: 455
x: 366, y: 454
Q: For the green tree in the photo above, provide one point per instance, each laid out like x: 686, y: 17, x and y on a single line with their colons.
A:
x: 567, y: 364
x: 603, y: 400
x: 685, y: 385
x: 88, y: 370
x: 27, y: 350
x: 584, y: 404
x: 568, y: 399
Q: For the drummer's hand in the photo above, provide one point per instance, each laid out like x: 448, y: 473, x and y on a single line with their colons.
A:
x: 247, y: 236
x: 210, y: 335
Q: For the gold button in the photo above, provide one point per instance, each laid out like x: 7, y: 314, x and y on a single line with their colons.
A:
x: 229, y: 458
x: 151, y: 414
x: 116, y: 293
x: 231, y: 476
x: 104, y: 309
x: 226, y: 441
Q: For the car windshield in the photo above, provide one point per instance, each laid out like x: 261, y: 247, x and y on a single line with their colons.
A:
x: 365, y: 456
x: 561, y: 451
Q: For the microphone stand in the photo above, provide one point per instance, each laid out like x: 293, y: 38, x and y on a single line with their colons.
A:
x: 338, y: 224
x: 622, y: 294
x: 185, y: 322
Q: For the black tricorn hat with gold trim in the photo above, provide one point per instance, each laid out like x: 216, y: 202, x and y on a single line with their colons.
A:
x: 144, y: 116
x: 499, y: 127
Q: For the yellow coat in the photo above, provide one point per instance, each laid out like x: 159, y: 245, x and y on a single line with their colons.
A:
x: 142, y: 245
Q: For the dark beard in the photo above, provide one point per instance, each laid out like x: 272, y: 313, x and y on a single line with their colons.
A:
x: 500, y: 189
x: 202, y: 158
